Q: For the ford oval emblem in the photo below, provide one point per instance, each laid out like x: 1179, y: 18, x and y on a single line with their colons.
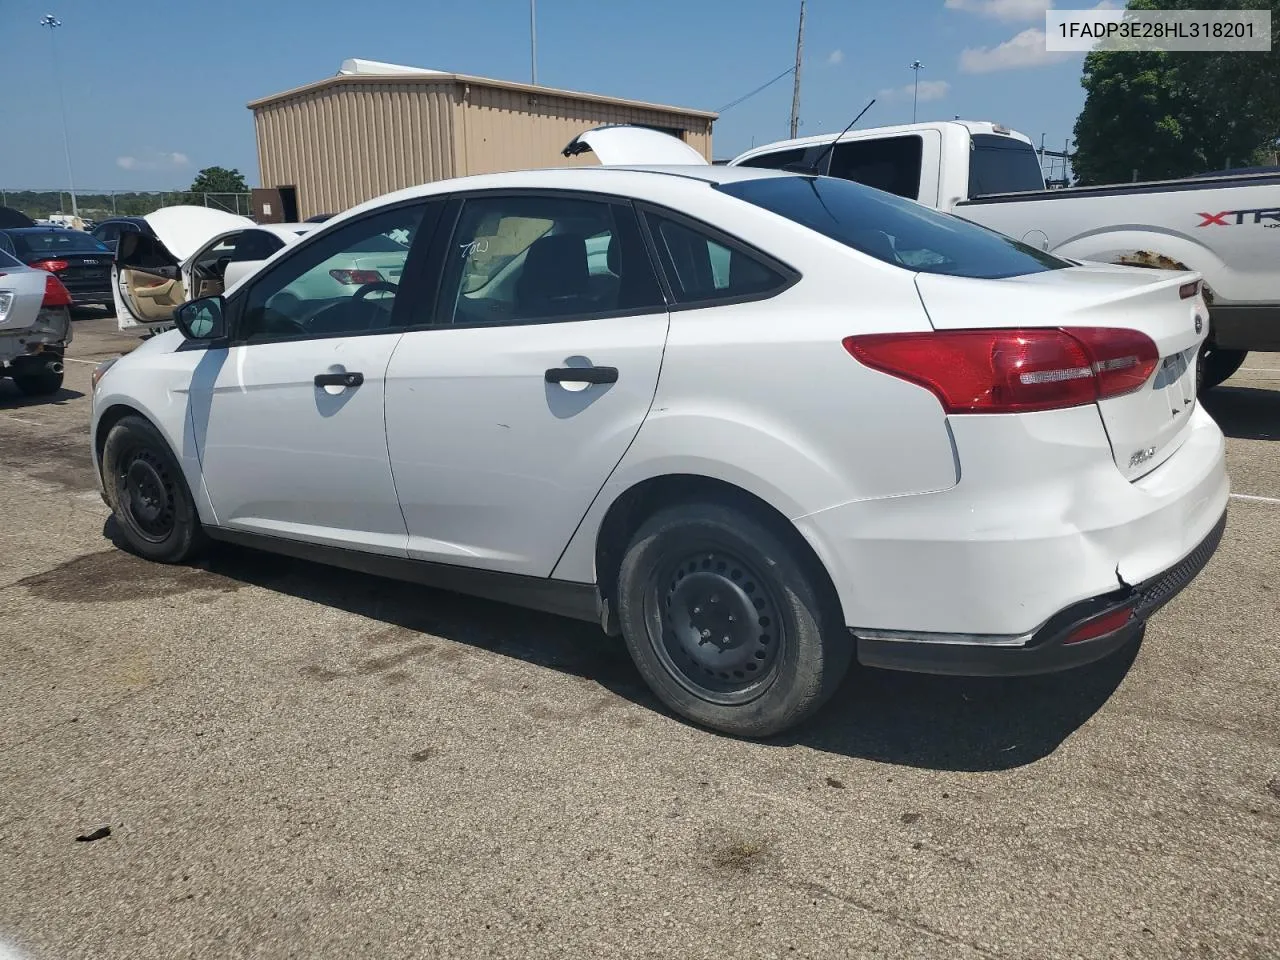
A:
x: 1199, y: 323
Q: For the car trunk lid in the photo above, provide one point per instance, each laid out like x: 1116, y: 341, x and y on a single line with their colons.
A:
x: 623, y: 145
x: 1145, y: 426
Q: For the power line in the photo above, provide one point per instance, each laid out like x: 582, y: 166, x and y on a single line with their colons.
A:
x: 762, y: 87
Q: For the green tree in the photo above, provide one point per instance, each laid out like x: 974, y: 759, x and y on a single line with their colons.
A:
x: 1177, y: 114
x: 219, y: 180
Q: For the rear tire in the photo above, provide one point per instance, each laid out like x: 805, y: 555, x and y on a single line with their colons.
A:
x: 148, y: 493
x: 1217, y: 365
x: 41, y: 384
x: 728, y: 621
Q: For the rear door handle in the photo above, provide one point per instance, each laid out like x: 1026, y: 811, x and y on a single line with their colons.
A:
x: 349, y: 379
x: 582, y: 375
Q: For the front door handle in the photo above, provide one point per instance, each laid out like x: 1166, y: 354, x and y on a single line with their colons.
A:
x: 582, y: 375
x: 348, y: 379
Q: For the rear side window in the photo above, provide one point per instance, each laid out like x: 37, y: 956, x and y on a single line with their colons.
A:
x: 703, y: 270
x: 255, y: 245
x: 1002, y: 165
x: 901, y: 232
x: 891, y: 164
x: 775, y: 161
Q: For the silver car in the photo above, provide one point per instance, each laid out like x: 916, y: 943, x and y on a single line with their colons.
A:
x: 35, y: 327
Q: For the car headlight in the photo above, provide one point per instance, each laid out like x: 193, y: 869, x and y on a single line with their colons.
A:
x: 100, y: 371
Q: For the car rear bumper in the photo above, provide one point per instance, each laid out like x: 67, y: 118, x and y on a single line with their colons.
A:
x: 90, y: 295
x: 1051, y: 648
x: 1041, y: 520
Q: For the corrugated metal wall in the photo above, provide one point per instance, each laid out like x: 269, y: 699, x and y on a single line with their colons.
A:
x: 347, y: 142
x: 342, y: 145
x: 505, y: 129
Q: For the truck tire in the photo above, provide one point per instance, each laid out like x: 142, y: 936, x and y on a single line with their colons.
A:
x: 148, y: 493
x: 1217, y: 365
x: 728, y: 621
x: 43, y: 383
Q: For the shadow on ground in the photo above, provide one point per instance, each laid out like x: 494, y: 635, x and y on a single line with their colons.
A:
x: 11, y: 398
x: 920, y: 721
x: 1245, y: 413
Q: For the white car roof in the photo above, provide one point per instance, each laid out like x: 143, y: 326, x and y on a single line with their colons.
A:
x: 287, y: 231
x: 640, y: 181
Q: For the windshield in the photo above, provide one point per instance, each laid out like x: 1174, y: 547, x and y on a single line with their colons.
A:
x: 889, y: 228
x: 1002, y: 165
x: 54, y: 242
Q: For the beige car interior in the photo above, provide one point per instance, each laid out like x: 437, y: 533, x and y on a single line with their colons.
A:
x: 150, y: 295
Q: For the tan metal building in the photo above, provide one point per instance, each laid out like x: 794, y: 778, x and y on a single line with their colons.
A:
x: 374, y: 128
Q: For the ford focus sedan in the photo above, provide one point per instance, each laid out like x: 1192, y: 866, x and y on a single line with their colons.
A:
x: 760, y: 424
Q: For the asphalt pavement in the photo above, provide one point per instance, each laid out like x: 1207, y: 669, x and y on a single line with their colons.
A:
x: 295, y: 761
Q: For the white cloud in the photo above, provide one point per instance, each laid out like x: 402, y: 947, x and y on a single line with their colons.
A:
x: 155, y: 160
x: 929, y: 90
x: 835, y: 57
x: 1008, y: 10
x: 1023, y: 52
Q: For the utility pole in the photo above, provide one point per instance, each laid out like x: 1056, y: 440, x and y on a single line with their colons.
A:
x: 915, y: 95
x: 52, y: 22
x: 795, y: 86
x: 533, y: 40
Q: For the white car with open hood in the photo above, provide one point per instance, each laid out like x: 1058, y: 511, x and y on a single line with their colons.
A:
x: 176, y: 253
x: 774, y: 423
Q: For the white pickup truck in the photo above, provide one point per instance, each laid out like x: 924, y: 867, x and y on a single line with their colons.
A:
x: 986, y: 173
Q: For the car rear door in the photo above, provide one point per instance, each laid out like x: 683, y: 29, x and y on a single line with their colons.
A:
x: 511, y: 402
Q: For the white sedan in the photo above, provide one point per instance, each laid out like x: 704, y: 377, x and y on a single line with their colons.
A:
x: 783, y: 422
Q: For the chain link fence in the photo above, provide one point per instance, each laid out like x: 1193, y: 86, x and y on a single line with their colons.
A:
x: 101, y: 204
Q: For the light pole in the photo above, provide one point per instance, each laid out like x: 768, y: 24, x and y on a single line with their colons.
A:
x: 52, y: 22
x: 915, y: 92
x: 533, y: 40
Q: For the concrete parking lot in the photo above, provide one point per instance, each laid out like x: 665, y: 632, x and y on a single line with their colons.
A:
x: 295, y: 761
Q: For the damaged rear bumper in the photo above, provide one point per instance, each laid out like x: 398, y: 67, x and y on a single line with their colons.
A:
x: 1080, y: 634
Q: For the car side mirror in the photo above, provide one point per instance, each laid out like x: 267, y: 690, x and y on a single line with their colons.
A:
x: 203, y: 319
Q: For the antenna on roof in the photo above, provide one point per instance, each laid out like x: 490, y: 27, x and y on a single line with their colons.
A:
x: 813, y: 168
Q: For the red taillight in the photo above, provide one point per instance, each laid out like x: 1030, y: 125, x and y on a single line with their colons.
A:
x: 1013, y: 370
x: 356, y: 276
x: 1189, y: 290
x: 55, y: 294
x: 1100, y: 626
x: 53, y: 266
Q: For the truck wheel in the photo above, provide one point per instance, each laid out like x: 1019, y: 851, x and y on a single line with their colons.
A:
x: 42, y: 384
x: 728, y: 622
x: 1217, y: 365
x: 148, y: 493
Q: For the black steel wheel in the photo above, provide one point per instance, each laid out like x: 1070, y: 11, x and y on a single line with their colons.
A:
x: 715, y: 625
x: 148, y: 493
x: 730, y: 618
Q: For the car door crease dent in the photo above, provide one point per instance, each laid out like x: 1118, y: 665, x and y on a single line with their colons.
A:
x: 386, y: 440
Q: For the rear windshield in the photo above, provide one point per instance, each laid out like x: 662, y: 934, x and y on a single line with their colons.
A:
x: 8, y: 261
x: 1002, y: 165
x: 53, y: 242
x: 889, y: 228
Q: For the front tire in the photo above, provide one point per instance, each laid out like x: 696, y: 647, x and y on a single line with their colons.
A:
x: 728, y: 621
x: 45, y: 383
x: 148, y: 493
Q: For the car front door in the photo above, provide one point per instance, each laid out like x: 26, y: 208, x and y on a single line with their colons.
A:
x: 288, y: 419
x: 510, y: 406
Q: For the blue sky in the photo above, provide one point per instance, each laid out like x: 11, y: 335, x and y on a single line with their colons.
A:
x: 156, y: 90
